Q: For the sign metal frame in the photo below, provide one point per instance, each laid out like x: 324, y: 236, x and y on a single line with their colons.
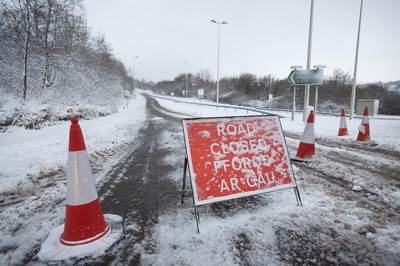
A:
x: 192, y: 171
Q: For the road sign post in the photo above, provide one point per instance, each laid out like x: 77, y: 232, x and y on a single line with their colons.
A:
x: 294, y: 103
x: 315, y: 102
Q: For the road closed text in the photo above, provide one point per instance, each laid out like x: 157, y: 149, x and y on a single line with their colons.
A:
x: 235, y: 156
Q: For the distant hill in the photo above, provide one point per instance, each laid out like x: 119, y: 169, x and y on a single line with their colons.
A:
x: 393, y: 86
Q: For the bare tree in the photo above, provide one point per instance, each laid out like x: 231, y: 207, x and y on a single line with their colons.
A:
x: 20, y: 16
x: 266, y: 86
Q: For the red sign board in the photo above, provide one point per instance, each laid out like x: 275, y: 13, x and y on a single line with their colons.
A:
x: 232, y: 157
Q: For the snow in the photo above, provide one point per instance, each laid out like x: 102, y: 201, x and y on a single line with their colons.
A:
x: 26, y: 154
x: 53, y: 250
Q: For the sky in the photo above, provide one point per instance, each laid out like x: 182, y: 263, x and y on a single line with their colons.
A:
x: 261, y: 36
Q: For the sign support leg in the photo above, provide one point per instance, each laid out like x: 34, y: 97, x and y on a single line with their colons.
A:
x: 197, y: 219
x: 184, y: 179
x: 298, y: 198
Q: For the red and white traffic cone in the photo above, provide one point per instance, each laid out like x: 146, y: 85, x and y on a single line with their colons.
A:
x: 85, y: 225
x: 306, y: 148
x: 364, y: 133
x: 84, y: 220
x: 343, y: 125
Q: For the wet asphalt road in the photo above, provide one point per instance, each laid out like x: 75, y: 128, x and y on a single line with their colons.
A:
x: 137, y: 188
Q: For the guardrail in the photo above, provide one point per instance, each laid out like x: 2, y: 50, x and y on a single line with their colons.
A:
x: 226, y: 106
x: 263, y: 111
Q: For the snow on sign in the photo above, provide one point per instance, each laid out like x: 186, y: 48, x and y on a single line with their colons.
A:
x: 232, y: 157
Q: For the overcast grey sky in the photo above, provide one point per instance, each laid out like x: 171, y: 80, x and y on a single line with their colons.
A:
x: 261, y: 37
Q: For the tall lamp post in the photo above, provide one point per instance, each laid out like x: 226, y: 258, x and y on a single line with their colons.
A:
x: 134, y: 72
x: 219, y: 24
x: 353, y: 90
x: 307, y: 87
x: 186, y: 90
x: 316, y: 91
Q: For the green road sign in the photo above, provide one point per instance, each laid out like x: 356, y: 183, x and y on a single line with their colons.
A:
x: 306, y: 77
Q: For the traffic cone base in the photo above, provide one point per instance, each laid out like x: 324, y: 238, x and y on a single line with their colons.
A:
x: 343, y: 132
x: 52, y: 250
x: 86, y: 224
x: 306, y: 150
x: 364, y: 131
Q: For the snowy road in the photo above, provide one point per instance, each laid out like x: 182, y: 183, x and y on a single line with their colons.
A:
x: 350, y: 213
x: 324, y: 234
x: 354, y: 219
x: 137, y: 188
x: 358, y: 185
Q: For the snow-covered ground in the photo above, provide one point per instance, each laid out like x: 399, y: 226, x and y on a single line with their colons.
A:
x: 33, y: 189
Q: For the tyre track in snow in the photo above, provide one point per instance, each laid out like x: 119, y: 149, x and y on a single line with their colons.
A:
x: 52, y: 177
x: 137, y: 189
x: 335, y: 170
x: 337, y: 164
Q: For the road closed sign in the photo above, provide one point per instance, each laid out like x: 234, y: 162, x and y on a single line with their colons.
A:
x: 232, y: 157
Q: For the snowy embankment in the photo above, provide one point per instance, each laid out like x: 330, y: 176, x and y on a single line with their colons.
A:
x: 33, y: 174
x: 335, y: 225
x: 29, y: 152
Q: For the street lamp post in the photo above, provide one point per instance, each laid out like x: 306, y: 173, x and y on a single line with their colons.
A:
x: 316, y: 91
x: 219, y: 24
x: 186, y: 91
x: 353, y: 90
x: 307, y: 87
x: 134, y: 72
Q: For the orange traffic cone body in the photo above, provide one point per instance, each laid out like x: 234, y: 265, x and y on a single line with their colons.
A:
x: 306, y: 148
x: 84, y: 220
x: 86, y: 232
x: 343, y: 125
x: 364, y: 133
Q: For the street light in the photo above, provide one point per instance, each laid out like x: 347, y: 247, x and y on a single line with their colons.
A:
x: 134, y: 72
x: 307, y: 87
x: 219, y: 24
x: 294, y: 92
x: 316, y: 90
x: 186, y: 91
x: 353, y: 90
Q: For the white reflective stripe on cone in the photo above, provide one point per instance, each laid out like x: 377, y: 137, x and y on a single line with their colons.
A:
x: 308, y: 134
x: 343, y: 123
x: 80, y: 183
x: 365, y: 120
x: 362, y: 128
